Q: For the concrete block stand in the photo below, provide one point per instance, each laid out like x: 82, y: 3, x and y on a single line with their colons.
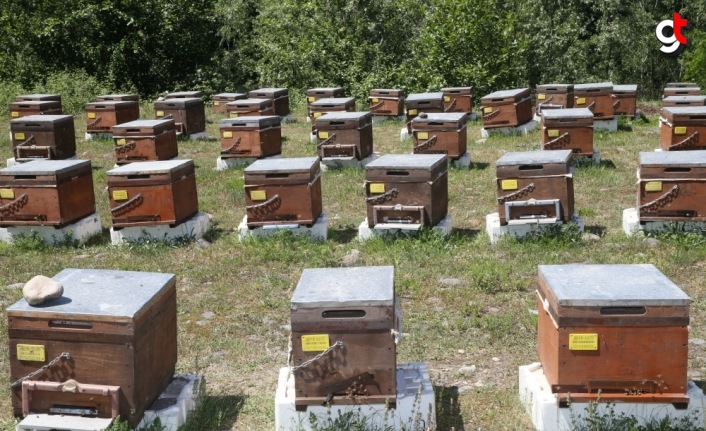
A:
x: 79, y: 231
x: 319, y: 231
x: 495, y: 230
x: 607, y: 125
x: 522, y: 129
x: 223, y: 164
x: 176, y: 402
x: 193, y: 229
x: 445, y: 226
x: 632, y: 224
x: 345, y: 162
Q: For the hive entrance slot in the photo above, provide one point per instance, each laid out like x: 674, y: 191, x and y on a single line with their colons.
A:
x: 698, y: 117
x: 398, y: 173
x: 138, y: 177
x: 677, y: 169
x: 25, y: 177
x: 614, y: 311
x: 531, y: 167
x: 343, y: 314
x: 32, y: 124
x: 70, y: 324
x: 277, y: 175
x: 133, y: 130
x: 60, y: 409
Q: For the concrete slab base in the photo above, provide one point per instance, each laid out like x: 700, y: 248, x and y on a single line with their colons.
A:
x: 365, y: 232
x: 346, y: 162
x: 381, y: 118
x: 404, y: 134
x: 542, y: 405
x: 92, y: 136
x: 12, y: 161
x: 289, y: 118
x: 632, y: 224
x: 223, y: 164
x: 607, y: 125
x: 415, y: 407
x: 312, y: 137
x: 463, y: 162
x: 521, y: 229
x: 319, y: 231
x: 79, y: 231
x: 473, y: 116
x: 192, y: 229
x: 47, y: 422
x: 197, y: 136
x: 522, y: 129
x: 595, y: 159
x: 175, y: 403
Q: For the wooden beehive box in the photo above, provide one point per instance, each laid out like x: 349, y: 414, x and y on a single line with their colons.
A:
x: 458, y: 99
x: 219, y: 100
x: 314, y: 94
x: 189, y: 114
x: 570, y: 128
x: 250, y: 107
x: 681, y: 91
x: 506, y: 108
x: 683, y: 128
x: 535, y: 185
x: 681, y: 84
x: 598, y: 97
x: 278, y: 96
x: 672, y: 186
x: 43, y: 137
x: 39, y: 97
x: 555, y: 96
x: 46, y: 193
x: 34, y: 107
x: 124, y: 97
x: 344, y: 134
x: 444, y: 133
x: 323, y: 106
x: 152, y: 193
x: 184, y: 95
x: 614, y: 332
x: 625, y: 99
x: 283, y: 191
x: 119, y: 329
x: 346, y: 321
x: 407, y: 189
x: 251, y: 136
x: 102, y: 116
x: 386, y: 102
x: 672, y: 101
x: 145, y: 140
x: 416, y: 103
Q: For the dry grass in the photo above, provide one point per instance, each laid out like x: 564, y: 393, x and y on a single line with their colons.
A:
x: 483, y: 321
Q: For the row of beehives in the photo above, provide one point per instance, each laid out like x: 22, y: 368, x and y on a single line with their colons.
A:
x: 108, y: 346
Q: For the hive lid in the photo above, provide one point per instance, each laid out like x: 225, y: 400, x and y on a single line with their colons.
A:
x: 333, y: 116
x: 565, y: 87
x: 41, y: 119
x: 593, y: 86
x: 143, y: 123
x: 111, y: 103
x: 502, y: 94
x: 20, y: 103
x: 567, y: 113
x: 151, y: 167
x: 681, y: 158
x: 534, y: 157
x: 625, y: 88
x: 456, y: 89
x: 326, y: 89
x: 253, y: 119
x: 99, y: 292
x: 333, y: 101
x: 297, y: 164
x: 345, y: 287
x: 271, y: 90
x: 407, y: 161
x: 687, y: 98
x: 226, y: 95
x: 611, y: 285
x: 126, y: 96
x: 686, y: 110
x: 248, y: 101
x: 44, y: 167
x: 440, y: 116
x: 38, y: 96
x: 424, y: 96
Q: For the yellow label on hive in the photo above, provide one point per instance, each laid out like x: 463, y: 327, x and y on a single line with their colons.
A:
x: 580, y: 100
x: 91, y: 115
x: 121, y: 141
x: 323, y: 135
x: 7, y: 194
x: 377, y: 187
x: 20, y: 136
x: 317, y: 114
x: 233, y: 115
x: 227, y: 134
x: 14, y: 114
x: 653, y: 186
x: 553, y: 133
x: 375, y: 100
x: 487, y: 110
x: 680, y: 130
x: 583, y: 341
x: 541, y: 96
x: 312, y: 99
x: 216, y: 103
x: 447, y: 99
x: 422, y: 135
x: 258, y: 195
x: 119, y: 195
x: 160, y: 113
x: 315, y: 343
x: 31, y: 352
x: 412, y: 112
x: 508, y: 184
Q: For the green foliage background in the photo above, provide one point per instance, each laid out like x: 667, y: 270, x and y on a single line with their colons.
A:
x: 152, y: 46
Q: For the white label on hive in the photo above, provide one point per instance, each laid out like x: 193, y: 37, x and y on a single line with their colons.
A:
x: 447, y: 99
x: 580, y: 100
x: 541, y: 96
x: 119, y: 195
x: 216, y: 103
x: 323, y: 135
x: 375, y: 100
x: 91, y: 115
x: 422, y: 135
x: 583, y: 341
x: 20, y: 136
x: 227, y: 134
x: 508, y: 184
x: 7, y: 194
x: 412, y: 112
x: 233, y: 115
x: 312, y: 99
x: 315, y: 343
x: 120, y: 141
x: 160, y: 113
x: 680, y: 130
x: 553, y: 133
x: 31, y: 352
x: 377, y: 187
x: 487, y: 110
x: 653, y: 186
x: 258, y: 195
x: 14, y: 114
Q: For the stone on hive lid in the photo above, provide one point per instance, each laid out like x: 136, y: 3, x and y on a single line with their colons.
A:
x: 41, y: 289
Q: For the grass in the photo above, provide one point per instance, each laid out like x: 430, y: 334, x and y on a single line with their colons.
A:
x: 482, y: 318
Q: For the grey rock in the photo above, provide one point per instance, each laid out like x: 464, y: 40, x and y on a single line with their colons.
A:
x: 41, y: 289
x: 449, y: 281
x: 82, y: 256
x: 697, y: 341
x: 208, y: 314
x: 467, y: 369
x: 590, y: 237
x: 652, y: 242
x: 218, y: 355
x: 202, y: 243
x: 464, y: 389
x: 201, y: 322
x: 351, y: 258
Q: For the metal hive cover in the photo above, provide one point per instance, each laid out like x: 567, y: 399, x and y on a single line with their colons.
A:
x: 41, y: 119
x: 249, y: 101
x: 684, y: 99
x: 326, y: 89
x: 344, y: 287
x: 254, y: 120
x: 333, y: 101
x: 456, y: 89
x: 534, y: 157
x: 625, y: 88
x: 150, y: 167
x: 424, y: 96
x: 611, y: 285
x: 593, y: 86
x: 407, y: 161
x: 680, y: 158
x: 567, y: 113
x: 111, y: 103
x: 344, y: 116
x: 441, y: 116
x: 565, y: 87
x: 144, y: 123
x: 689, y: 110
x: 39, y: 95
x: 502, y: 94
x: 229, y: 95
x: 33, y: 102
x: 98, y: 292
x: 44, y: 167
x: 298, y: 164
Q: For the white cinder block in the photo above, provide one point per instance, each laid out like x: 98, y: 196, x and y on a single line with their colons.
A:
x: 607, y: 125
x: 445, y: 226
x: 223, y: 164
x: 175, y: 403
x: 319, y: 231
x: 346, y: 162
x: 194, y: 229
x: 521, y: 229
x: 632, y: 224
x: 47, y: 422
x: 462, y: 162
x: 79, y: 231
x: 522, y: 129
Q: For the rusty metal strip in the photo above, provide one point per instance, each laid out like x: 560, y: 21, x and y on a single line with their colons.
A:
x: 655, y: 205
x: 122, y: 149
x: 691, y: 141
x: 560, y: 142
x: 425, y: 145
x: 376, y: 106
x: 14, y: 206
x: 93, y: 123
x: 451, y: 106
x: 128, y: 206
x: 518, y: 194
x: 328, y: 141
x: 546, y: 101
x: 233, y: 148
x: 616, y: 104
x: 269, y: 206
x: 385, y: 197
x: 491, y: 115
x: 29, y: 141
x: 591, y: 106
